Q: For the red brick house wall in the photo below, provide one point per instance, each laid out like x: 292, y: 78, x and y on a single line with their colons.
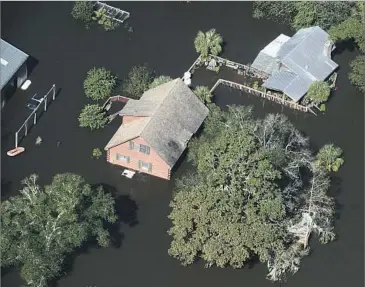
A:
x: 159, y: 167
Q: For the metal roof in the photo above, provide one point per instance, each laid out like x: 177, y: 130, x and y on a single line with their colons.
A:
x: 11, y: 60
x: 306, y: 55
x: 279, y: 80
x: 298, y: 88
x: 174, y: 115
x: 267, y: 60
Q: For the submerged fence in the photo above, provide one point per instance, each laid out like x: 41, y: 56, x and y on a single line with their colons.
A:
x: 32, y: 118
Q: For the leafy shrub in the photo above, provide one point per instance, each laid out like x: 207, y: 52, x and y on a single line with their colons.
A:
x: 138, y: 81
x: 83, y: 11
x: 103, y: 20
x: 99, y: 84
x: 160, y: 80
x: 97, y: 153
x: 357, y: 74
x: 203, y: 93
x: 318, y: 92
x: 93, y: 117
x: 329, y: 157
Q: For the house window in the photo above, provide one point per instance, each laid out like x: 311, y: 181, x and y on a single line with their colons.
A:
x: 145, y: 149
x: 140, y: 147
x: 145, y: 165
x: 133, y: 145
x: 123, y: 158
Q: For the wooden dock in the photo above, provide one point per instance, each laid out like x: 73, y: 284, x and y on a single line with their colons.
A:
x: 249, y: 72
x: 262, y: 94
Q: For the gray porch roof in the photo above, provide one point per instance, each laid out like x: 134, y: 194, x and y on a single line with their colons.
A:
x: 11, y: 60
x: 171, y: 113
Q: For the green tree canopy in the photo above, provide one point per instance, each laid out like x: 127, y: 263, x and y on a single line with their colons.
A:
x: 303, y: 14
x: 159, y: 81
x: 357, y: 74
x: 203, y: 93
x: 99, y: 84
x: 318, y: 92
x: 93, y: 117
x: 83, y: 11
x: 246, y: 196
x: 138, y: 81
x: 40, y: 227
x: 353, y: 29
x: 329, y: 157
x: 207, y: 43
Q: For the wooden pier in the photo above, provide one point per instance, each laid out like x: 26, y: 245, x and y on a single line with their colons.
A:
x: 262, y: 94
x: 241, y: 68
x: 249, y: 72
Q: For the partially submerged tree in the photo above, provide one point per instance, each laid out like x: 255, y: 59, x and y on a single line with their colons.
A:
x: 83, y: 11
x: 138, y: 81
x: 318, y: 92
x: 247, y: 197
x: 97, y: 153
x: 40, y: 227
x: 101, y: 18
x: 93, y: 117
x: 160, y: 80
x: 207, y: 43
x: 99, y: 84
x: 330, y: 158
x: 203, y: 93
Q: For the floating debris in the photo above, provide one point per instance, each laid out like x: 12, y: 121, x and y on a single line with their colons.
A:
x: 38, y: 140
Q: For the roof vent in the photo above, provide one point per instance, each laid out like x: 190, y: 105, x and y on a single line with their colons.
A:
x: 4, y: 62
x: 306, y: 67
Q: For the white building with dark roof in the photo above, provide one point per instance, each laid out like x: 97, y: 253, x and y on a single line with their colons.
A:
x: 293, y: 64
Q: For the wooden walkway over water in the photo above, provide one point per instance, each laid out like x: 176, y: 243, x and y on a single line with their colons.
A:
x: 248, y: 72
x: 265, y: 95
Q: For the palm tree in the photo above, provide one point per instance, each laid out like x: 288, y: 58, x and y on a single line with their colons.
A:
x: 203, y: 94
x: 208, y: 43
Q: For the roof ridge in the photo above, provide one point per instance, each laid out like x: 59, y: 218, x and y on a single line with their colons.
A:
x: 160, y: 104
x: 299, y: 42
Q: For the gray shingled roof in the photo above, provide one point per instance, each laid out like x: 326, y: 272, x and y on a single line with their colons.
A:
x: 306, y: 55
x: 15, y: 59
x: 173, y: 114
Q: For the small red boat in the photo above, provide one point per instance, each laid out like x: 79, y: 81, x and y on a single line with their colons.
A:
x: 15, y: 151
